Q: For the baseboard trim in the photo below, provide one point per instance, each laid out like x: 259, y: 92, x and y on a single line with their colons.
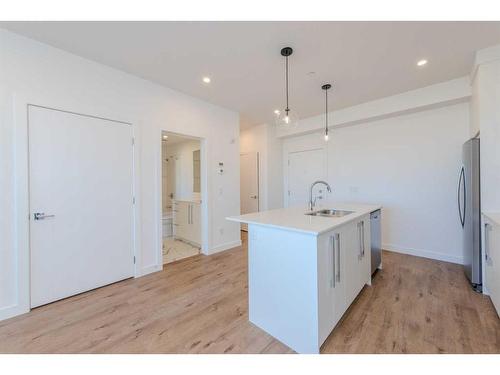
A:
x: 223, y: 247
x: 150, y: 269
x: 423, y: 253
x: 12, y: 311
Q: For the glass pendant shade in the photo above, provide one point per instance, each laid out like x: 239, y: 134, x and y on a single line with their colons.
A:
x: 287, y: 121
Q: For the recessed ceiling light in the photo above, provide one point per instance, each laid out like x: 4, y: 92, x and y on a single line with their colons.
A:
x: 422, y: 62
x: 277, y: 112
x: 206, y: 79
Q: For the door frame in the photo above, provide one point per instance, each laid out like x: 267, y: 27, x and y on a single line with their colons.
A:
x: 159, y: 190
x: 307, y: 142
x: 22, y: 247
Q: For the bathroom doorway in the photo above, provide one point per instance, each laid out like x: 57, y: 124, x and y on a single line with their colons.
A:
x: 181, y: 197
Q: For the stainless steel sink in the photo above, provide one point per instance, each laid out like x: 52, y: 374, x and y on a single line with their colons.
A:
x: 329, y: 213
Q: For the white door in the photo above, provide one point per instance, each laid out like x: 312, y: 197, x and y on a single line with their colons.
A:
x: 81, y: 179
x: 249, y: 182
x: 305, y: 167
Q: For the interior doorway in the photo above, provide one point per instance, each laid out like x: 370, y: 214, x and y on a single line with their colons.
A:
x: 303, y: 168
x: 181, y: 169
x: 249, y: 184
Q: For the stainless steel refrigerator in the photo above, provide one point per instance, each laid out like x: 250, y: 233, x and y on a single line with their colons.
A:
x: 469, y: 211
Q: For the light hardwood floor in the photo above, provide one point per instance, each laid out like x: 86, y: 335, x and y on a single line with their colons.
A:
x: 199, y: 305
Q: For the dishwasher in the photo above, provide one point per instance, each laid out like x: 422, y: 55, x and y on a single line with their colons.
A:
x: 376, y: 239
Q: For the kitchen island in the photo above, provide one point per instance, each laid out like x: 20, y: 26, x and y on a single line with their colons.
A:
x: 304, y: 271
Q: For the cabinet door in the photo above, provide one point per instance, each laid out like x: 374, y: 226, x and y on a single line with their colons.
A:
x: 492, y: 262
x: 326, y: 286
x: 353, y: 259
x: 356, y: 246
x: 194, y: 226
x: 180, y: 219
x: 341, y: 245
x: 331, y: 294
x: 365, y: 270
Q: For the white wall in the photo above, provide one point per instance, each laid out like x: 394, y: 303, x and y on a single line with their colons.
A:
x: 36, y: 72
x: 410, y: 165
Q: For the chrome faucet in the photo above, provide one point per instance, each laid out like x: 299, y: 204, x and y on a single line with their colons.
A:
x: 311, y: 202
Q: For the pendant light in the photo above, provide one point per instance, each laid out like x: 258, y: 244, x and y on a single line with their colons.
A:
x: 326, y: 88
x: 286, y: 119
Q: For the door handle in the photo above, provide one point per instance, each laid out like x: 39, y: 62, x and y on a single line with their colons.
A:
x: 461, y: 180
x: 41, y: 216
x: 253, y: 196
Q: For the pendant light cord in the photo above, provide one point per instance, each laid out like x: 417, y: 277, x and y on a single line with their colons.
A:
x: 326, y: 112
x: 286, y: 84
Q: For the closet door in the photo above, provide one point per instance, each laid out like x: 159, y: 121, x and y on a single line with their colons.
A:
x: 81, y: 203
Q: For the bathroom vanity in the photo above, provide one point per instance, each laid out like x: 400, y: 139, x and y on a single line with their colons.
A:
x: 187, y: 221
x: 305, y: 269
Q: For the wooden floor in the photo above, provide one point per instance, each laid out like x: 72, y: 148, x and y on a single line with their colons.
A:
x: 199, y: 305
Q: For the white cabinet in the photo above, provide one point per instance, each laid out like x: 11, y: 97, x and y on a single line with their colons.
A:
x: 343, y: 270
x: 187, y: 221
x: 300, y: 284
x: 492, y: 260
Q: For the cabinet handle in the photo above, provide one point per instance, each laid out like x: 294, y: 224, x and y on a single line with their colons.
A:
x: 332, y: 252
x: 487, y: 256
x: 337, y: 237
x: 363, y: 238
x: 360, y: 241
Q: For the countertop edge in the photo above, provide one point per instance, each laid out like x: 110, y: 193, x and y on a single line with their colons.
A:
x: 303, y: 231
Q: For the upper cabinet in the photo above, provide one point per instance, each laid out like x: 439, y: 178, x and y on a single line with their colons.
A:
x: 485, y: 118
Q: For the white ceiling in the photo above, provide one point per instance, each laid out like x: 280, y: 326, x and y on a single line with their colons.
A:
x: 363, y: 60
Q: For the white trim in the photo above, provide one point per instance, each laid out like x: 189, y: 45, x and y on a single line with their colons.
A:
x: 21, y: 160
x: 150, y: 269
x: 11, y: 311
x: 423, y: 253
x: 224, y: 247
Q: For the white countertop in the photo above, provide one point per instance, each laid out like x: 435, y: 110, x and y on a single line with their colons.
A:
x: 196, y: 201
x: 495, y: 216
x: 294, y: 218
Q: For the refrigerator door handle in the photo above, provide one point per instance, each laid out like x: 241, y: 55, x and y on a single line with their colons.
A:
x: 461, y: 181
